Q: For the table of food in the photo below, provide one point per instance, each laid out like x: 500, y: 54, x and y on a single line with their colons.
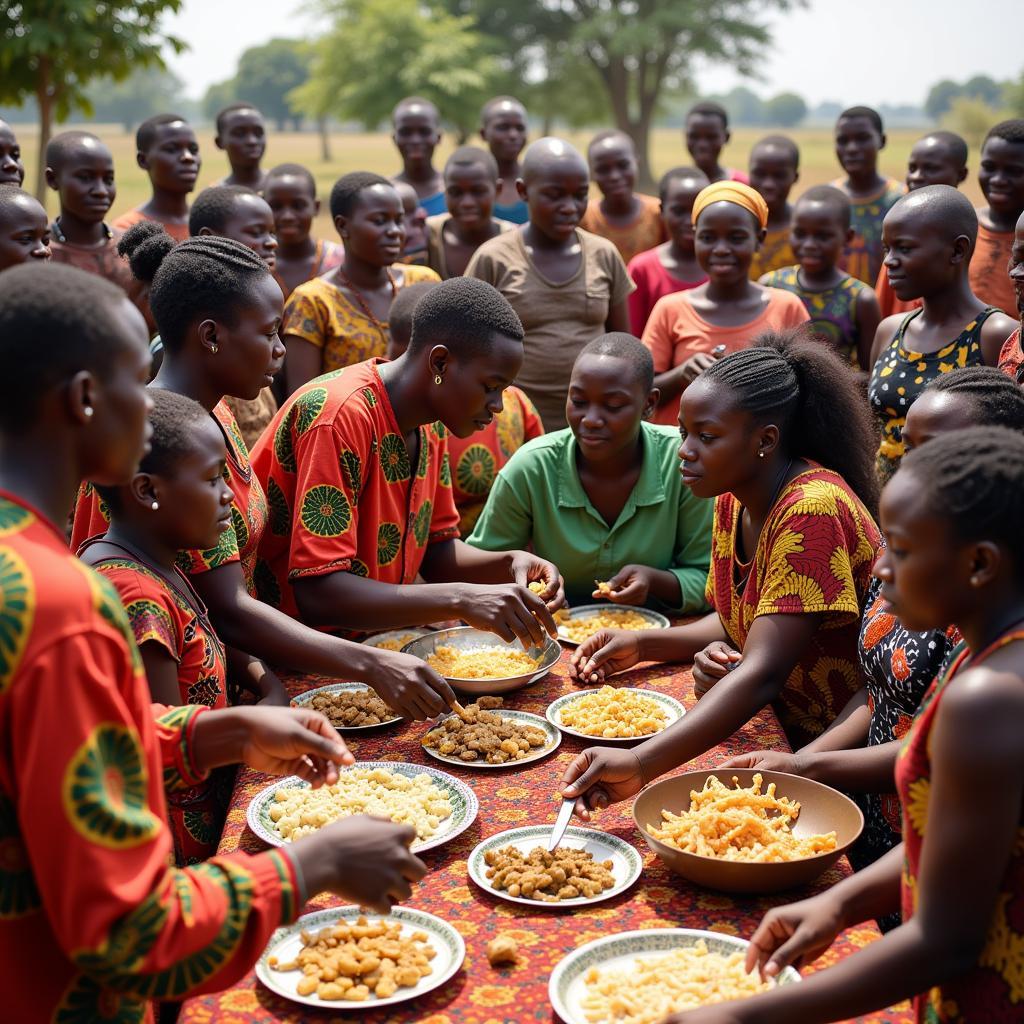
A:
x: 633, y: 915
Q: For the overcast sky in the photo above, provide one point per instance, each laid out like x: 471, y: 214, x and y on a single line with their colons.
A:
x: 889, y: 51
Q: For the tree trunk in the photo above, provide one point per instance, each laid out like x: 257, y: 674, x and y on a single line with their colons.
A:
x: 641, y: 135
x: 45, y: 101
x: 325, y: 139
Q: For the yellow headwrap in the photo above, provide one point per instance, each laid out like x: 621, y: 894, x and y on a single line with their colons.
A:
x: 732, y: 192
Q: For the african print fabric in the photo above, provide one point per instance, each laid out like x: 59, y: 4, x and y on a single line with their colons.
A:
x: 94, y: 923
x: 774, y: 253
x: 992, y: 992
x: 344, y: 493
x: 814, y: 554
x: 1011, y: 358
x: 863, y: 256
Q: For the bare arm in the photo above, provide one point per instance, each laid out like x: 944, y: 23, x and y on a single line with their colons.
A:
x: 883, y: 336
x: 994, y: 332
x: 302, y: 362
x: 618, y: 317
x: 868, y: 318
x: 161, y: 673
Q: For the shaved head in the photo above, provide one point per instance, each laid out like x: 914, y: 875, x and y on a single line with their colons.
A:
x: 548, y: 154
x: 613, y: 137
x: 949, y: 142
x: 940, y: 208
x: 67, y: 145
x: 416, y: 105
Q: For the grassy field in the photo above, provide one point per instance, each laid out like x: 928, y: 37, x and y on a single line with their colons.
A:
x: 352, y: 152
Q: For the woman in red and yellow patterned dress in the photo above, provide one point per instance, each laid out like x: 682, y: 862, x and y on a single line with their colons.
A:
x: 94, y: 923
x: 780, y: 435
x: 951, y: 517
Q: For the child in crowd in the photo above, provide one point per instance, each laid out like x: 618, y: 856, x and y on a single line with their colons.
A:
x: 774, y: 170
x: 843, y: 311
x: 706, y: 134
x: 1001, y: 177
x: 94, y: 857
x: 859, y: 138
x: 503, y: 126
x: 12, y: 170
x: 929, y: 238
x: 341, y: 319
x: 687, y: 331
x: 604, y: 496
x: 1011, y: 358
x: 470, y: 185
x: 80, y: 169
x: 628, y: 219
x: 361, y: 457
x: 474, y: 460
x: 414, y: 252
x: 24, y: 228
x: 416, y: 132
x: 168, y: 152
x: 671, y: 266
x: 940, y: 158
x: 290, y: 192
x: 242, y: 134
x: 567, y: 286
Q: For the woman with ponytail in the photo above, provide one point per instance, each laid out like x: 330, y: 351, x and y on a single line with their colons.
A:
x: 780, y: 436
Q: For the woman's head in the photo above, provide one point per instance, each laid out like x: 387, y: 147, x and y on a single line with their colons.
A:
x: 213, y: 300
x: 290, y: 192
x: 556, y: 186
x: 467, y: 343
x: 24, y: 228
x: 729, y: 223
x: 85, y: 386
x: 231, y: 211
x: 951, y: 519
x: 786, y: 397
x: 611, y: 391
x: 369, y: 217
x: 178, y: 496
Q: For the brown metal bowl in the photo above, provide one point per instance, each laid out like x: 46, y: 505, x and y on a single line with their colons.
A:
x: 822, y: 809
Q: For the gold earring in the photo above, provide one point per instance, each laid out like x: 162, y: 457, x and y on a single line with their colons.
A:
x: 213, y: 348
x: 437, y: 378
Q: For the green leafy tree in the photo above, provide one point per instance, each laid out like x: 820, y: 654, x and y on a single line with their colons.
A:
x: 786, y: 110
x: 268, y: 74
x: 984, y: 88
x: 972, y: 119
x: 53, y: 49
x: 218, y: 96
x: 940, y: 98
x: 744, y: 106
x: 1013, y: 96
x: 146, y: 92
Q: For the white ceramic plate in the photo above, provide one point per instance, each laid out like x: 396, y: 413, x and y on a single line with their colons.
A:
x: 582, y: 611
x: 406, y: 635
x: 672, y: 708
x: 304, y: 699
x: 522, y: 718
x: 626, y: 862
x: 286, y: 942
x: 566, y: 987
x: 465, y: 805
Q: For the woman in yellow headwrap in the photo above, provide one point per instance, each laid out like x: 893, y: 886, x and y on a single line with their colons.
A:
x: 686, y: 331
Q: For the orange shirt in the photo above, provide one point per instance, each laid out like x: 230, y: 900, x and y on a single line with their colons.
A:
x: 676, y: 331
x: 179, y: 232
x: 94, y: 922
x: 888, y: 301
x: 642, y: 234
x: 343, y: 495
x: 988, y: 275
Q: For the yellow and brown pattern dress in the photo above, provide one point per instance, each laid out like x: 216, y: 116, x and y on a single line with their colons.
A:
x: 814, y: 555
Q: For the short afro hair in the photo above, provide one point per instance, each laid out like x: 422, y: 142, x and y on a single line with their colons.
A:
x: 611, y: 133
x: 346, y: 190
x: 1009, y: 131
x: 294, y: 171
x: 200, y: 278
x: 994, y: 397
x: 401, y: 312
x: 708, y: 108
x: 234, y: 108
x: 833, y: 199
x: 681, y: 174
x: 416, y: 101
x: 869, y: 112
x: 12, y: 196
x: 147, y: 132
x: 214, y: 207
x: 61, y: 147
x: 488, y: 109
x: 74, y: 312
x: 783, y: 142
x: 620, y: 345
x: 469, y: 156
x: 463, y: 314
x: 954, y: 143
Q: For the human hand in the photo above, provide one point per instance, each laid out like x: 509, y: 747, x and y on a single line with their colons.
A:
x: 630, y: 585
x: 766, y: 760
x: 365, y: 860
x: 527, y: 568
x: 794, y: 935
x: 269, y: 687
x: 508, y: 609
x: 717, y: 660
x: 696, y: 365
x: 606, y: 652
x: 410, y: 686
x: 601, y: 776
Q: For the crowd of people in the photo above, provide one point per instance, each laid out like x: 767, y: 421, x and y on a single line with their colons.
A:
x: 229, y: 449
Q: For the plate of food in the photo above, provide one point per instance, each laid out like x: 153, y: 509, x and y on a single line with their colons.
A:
x: 659, y: 971
x: 349, y: 707
x: 347, y: 959
x: 580, y: 623
x: 486, y: 737
x: 395, y: 639
x: 586, y: 867
x: 614, y: 715
x: 437, y: 805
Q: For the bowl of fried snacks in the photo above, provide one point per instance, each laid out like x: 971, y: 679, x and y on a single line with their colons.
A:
x: 477, y: 662
x: 348, y: 706
x: 744, y: 830
x: 580, y: 623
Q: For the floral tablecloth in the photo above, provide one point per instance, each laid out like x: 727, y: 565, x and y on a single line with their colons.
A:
x: 480, y: 994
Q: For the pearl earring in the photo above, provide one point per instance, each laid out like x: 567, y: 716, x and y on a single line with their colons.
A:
x: 155, y: 505
x: 760, y: 455
x: 88, y: 411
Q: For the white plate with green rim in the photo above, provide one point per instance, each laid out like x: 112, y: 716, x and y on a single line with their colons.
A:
x: 669, y: 705
x: 626, y: 861
x: 285, y: 943
x: 465, y: 805
x: 567, y: 986
x: 399, y: 637
x: 306, y: 699
x: 583, y: 611
x: 522, y: 718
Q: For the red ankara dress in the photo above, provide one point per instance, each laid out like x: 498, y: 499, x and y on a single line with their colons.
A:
x: 94, y: 923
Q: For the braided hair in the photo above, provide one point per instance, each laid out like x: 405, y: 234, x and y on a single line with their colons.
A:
x: 206, y: 277
x: 996, y: 400
x: 974, y: 478
x: 815, y: 400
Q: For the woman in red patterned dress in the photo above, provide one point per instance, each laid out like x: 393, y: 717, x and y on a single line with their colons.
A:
x: 955, y: 553
x: 780, y: 435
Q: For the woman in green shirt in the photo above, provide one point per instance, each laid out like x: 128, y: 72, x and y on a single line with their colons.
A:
x: 604, y: 499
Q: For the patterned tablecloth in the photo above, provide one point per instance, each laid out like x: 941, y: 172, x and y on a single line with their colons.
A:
x: 480, y: 994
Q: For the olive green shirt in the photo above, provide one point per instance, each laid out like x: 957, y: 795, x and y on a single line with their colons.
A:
x: 538, y: 501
